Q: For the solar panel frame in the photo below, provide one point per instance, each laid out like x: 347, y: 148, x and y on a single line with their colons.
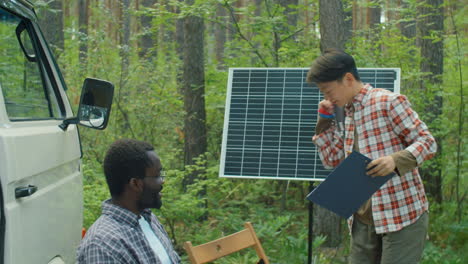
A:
x: 257, y: 90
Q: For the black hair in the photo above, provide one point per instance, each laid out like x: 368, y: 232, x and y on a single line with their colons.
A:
x: 332, y: 66
x: 125, y: 159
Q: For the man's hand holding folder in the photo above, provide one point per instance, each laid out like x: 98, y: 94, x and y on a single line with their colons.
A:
x: 381, y: 166
x: 352, y: 183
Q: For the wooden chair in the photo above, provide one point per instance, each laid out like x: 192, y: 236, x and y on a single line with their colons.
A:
x: 226, y: 245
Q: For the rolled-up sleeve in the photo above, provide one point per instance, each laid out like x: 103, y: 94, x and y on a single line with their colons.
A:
x: 411, y: 130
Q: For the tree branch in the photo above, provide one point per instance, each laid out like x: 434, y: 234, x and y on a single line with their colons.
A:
x: 239, y: 32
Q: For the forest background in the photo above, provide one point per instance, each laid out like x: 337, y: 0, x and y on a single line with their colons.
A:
x: 169, y: 59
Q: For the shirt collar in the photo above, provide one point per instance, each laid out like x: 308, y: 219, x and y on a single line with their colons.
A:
x: 123, y: 215
x: 358, y: 100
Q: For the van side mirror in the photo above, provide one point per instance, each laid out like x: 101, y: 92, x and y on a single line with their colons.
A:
x: 95, y: 105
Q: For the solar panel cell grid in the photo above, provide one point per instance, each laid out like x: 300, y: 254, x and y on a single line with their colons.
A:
x: 270, y: 119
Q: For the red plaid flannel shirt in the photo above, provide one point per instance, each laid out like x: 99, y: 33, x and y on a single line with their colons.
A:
x: 385, y: 124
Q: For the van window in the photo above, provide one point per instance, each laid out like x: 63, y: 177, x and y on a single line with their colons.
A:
x: 27, y: 93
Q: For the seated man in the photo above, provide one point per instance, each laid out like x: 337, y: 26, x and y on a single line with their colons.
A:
x: 127, y: 231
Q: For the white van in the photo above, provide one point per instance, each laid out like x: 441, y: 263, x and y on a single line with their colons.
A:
x: 41, y: 203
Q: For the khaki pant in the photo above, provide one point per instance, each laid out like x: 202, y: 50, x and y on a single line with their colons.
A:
x: 402, y: 247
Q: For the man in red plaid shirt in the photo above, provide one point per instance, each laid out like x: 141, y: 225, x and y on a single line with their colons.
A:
x: 391, y: 227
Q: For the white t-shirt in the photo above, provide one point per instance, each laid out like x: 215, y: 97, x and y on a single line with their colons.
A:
x: 154, y: 242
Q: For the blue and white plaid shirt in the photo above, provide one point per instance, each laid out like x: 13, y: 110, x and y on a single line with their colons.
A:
x: 116, y: 237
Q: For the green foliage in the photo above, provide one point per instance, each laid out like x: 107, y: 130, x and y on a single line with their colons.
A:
x: 446, y: 236
x: 436, y: 255
x: 94, y: 190
x: 148, y: 106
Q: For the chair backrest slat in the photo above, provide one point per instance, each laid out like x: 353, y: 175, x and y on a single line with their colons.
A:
x: 226, y: 245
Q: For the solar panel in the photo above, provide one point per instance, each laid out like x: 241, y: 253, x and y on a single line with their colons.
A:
x: 270, y: 120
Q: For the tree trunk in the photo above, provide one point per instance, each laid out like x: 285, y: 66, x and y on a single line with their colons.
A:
x: 334, y: 32
x: 179, y: 38
x: 83, y: 29
x: 285, y: 29
x: 52, y: 25
x: 430, y: 27
x: 193, y: 88
x: 408, y: 26
x: 327, y: 223
x: 290, y: 10
x: 373, y: 14
x: 373, y: 21
x: 258, y: 7
x: 220, y: 36
x: 125, y: 38
x: 166, y: 35
x: 111, y: 32
x: 148, y: 38
x: 359, y: 16
x: 125, y: 26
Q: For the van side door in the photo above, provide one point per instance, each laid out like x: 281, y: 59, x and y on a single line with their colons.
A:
x: 41, y: 185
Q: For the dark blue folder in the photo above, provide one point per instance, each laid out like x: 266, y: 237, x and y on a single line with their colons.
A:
x: 348, y: 186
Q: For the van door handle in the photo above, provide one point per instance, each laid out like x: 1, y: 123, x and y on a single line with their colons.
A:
x: 25, y: 191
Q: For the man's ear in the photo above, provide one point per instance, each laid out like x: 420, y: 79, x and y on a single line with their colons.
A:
x: 349, y: 77
x: 136, y: 185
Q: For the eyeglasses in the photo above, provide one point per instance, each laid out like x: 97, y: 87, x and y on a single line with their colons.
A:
x: 162, y: 175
